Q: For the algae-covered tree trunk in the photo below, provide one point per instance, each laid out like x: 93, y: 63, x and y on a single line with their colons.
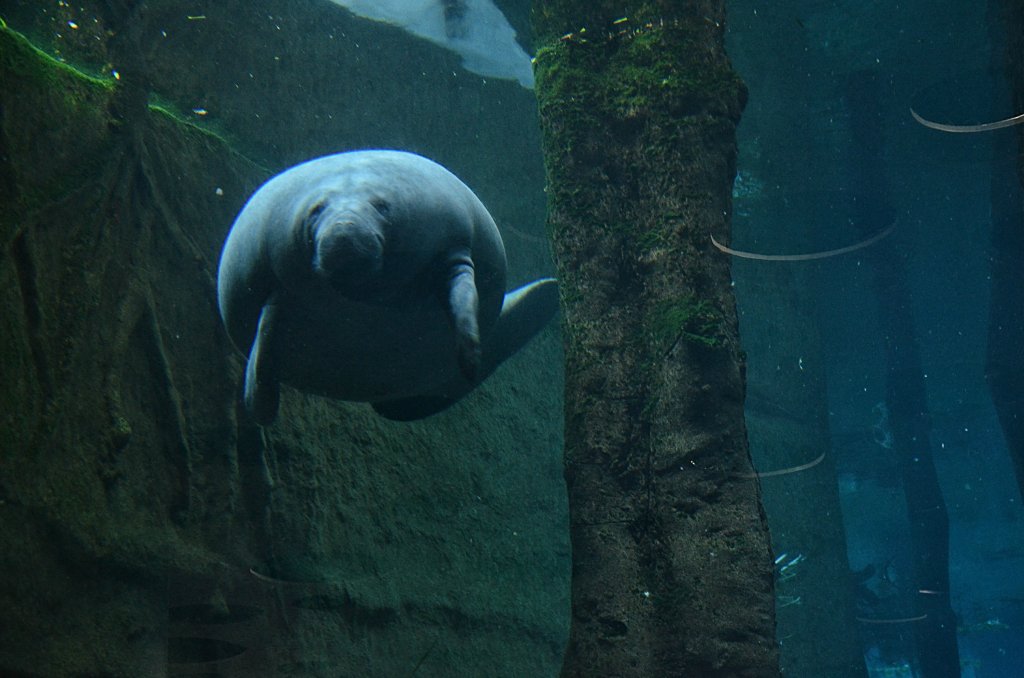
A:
x: 672, y: 572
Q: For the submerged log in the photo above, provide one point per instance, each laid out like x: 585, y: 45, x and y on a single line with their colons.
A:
x: 672, y: 572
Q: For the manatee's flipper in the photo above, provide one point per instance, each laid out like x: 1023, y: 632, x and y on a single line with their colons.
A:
x: 416, y: 407
x: 524, y: 313
x: 462, y: 307
x: 262, y: 390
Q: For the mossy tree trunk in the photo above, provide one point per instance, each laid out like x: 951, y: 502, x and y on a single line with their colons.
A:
x: 672, y: 571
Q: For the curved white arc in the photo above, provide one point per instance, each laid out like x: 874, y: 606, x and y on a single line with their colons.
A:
x: 968, y: 129
x: 809, y: 256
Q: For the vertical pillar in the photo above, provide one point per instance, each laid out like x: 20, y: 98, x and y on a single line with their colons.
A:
x: 1004, y: 363
x: 935, y: 631
x: 672, y: 572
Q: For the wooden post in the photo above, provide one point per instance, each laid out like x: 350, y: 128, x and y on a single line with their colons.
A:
x: 672, y: 571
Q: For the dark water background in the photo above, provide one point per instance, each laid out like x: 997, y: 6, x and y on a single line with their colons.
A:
x: 823, y: 77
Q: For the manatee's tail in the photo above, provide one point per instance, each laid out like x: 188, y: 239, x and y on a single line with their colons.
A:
x: 524, y: 313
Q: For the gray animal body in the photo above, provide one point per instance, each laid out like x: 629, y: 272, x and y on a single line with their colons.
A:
x: 374, y: 276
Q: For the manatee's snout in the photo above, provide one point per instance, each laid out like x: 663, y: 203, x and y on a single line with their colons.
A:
x: 349, y: 254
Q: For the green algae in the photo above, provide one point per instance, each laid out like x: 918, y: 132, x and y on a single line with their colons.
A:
x: 21, y: 57
x: 686, y: 318
x: 165, y: 108
x: 75, y: 108
x: 631, y: 72
x: 82, y: 92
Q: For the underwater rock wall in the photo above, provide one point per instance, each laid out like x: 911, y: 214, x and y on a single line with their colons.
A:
x: 148, y: 529
x: 118, y: 383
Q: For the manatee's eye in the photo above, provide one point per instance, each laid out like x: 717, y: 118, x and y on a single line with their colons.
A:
x: 315, y: 211
x: 382, y: 206
x: 309, y: 223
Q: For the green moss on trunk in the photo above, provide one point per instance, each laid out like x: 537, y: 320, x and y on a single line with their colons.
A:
x: 672, y: 574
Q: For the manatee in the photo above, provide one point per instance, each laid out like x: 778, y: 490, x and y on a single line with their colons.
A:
x: 371, y: 276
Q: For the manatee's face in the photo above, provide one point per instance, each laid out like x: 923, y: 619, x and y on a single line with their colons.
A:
x: 347, y: 239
